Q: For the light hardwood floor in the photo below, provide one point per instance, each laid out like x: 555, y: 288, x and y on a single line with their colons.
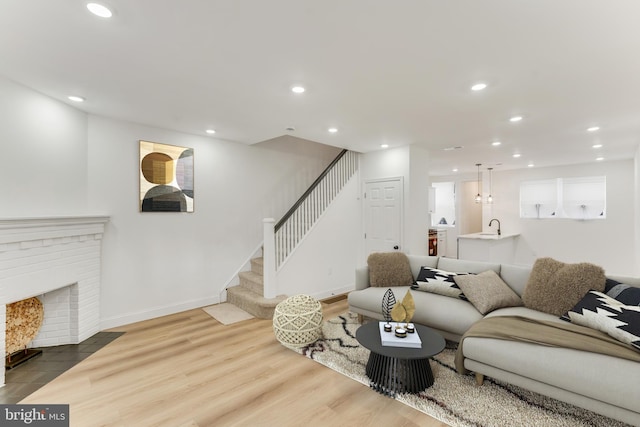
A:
x: 188, y: 370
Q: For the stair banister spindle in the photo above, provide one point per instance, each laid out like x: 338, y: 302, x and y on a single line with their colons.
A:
x: 269, y: 261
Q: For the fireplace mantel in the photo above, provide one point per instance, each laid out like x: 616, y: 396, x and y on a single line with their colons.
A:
x: 15, y: 230
x: 40, y: 239
x: 39, y: 221
x: 45, y: 254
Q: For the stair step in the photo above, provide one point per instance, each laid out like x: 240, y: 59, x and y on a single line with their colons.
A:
x: 252, y: 302
x: 257, y: 265
x: 252, y: 281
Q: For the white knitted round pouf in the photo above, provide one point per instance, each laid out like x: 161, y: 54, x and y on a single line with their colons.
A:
x: 297, y: 321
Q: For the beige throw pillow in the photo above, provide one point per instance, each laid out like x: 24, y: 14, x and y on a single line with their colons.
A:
x: 389, y: 269
x: 487, y: 291
x: 555, y: 287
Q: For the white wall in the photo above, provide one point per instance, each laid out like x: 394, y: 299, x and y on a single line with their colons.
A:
x: 382, y: 164
x: 44, y: 155
x: 160, y: 263
x: 410, y: 163
x: 324, y: 264
x: 471, y: 221
x: 417, y: 213
x: 636, y: 192
x: 608, y: 242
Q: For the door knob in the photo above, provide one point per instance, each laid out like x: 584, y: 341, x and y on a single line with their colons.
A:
x: 396, y: 247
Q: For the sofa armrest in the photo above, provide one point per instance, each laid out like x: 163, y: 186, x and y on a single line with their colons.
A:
x: 362, y: 278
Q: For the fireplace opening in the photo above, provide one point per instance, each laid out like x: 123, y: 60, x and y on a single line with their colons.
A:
x: 23, y: 322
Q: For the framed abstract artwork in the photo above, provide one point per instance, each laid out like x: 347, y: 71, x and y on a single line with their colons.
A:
x: 166, y: 178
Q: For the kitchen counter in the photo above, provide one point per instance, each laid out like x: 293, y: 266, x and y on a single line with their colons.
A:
x: 488, y: 247
x: 487, y: 236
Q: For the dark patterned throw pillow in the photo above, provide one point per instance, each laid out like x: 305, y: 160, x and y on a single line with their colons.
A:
x: 629, y: 295
x: 599, y: 311
x: 438, y: 282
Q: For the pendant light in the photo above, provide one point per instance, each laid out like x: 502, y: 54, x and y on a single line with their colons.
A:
x: 490, y: 198
x: 478, y: 196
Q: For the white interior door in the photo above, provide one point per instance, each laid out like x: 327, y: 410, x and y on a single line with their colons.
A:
x: 383, y: 215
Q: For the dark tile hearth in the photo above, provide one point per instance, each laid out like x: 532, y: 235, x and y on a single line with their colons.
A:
x: 28, y: 377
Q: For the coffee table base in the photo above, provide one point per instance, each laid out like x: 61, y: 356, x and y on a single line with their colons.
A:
x: 390, y: 375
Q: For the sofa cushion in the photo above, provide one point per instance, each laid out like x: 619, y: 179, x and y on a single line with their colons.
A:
x: 454, y: 264
x: 600, y: 377
x: 555, y: 287
x: 418, y: 261
x: 515, y: 276
x: 438, y: 282
x: 487, y: 291
x: 629, y: 295
x: 389, y: 269
x: 432, y: 310
x: 599, y: 311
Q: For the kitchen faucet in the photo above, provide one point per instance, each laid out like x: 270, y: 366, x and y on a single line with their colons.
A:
x: 491, y: 222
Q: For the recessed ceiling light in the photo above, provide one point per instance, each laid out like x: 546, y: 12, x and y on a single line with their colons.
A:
x: 479, y: 86
x: 530, y: 165
x: 515, y: 156
x: 600, y: 158
x: 457, y: 147
x: 454, y: 170
x: 384, y: 146
x: 75, y: 98
x: 297, y: 89
x: 597, y: 145
x: 515, y: 119
x: 593, y: 128
x: 333, y: 130
x: 210, y: 131
x: 496, y: 143
x: 99, y: 10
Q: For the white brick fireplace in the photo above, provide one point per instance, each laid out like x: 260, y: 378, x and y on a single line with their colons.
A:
x: 59, y: 261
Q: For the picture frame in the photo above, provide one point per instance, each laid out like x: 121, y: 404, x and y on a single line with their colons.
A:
x: 166, y: 177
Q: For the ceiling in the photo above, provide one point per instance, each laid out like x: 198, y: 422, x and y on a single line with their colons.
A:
x: 381, y: 72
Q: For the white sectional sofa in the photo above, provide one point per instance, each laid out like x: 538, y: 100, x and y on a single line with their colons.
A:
x: 602, y: 383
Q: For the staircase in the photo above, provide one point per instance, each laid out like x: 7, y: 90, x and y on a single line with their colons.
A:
x: 283, y: 237
x: 248, y: 294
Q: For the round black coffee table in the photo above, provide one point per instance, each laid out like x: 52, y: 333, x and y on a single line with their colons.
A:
x: 393, y: 370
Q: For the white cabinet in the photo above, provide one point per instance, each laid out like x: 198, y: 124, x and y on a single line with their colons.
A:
x: 442, y: 242
x: 584, y: 198
x: 539, y: 199
x: 437, y: 242
x: 575, y: 198
x: 432, y: 200
x: 442, y: 201
x: 487, y: 247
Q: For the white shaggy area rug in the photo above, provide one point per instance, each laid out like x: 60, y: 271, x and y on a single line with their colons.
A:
x: 226, y: 313
x: 453, y: 399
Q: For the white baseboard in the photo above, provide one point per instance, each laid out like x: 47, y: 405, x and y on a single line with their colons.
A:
x: 113, y: 322
x: 333, y: 292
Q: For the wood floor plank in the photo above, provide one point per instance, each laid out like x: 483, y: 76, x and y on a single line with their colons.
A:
x: 189, y: 370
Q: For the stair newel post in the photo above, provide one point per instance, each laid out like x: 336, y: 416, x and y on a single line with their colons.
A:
x: 269, y: 259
